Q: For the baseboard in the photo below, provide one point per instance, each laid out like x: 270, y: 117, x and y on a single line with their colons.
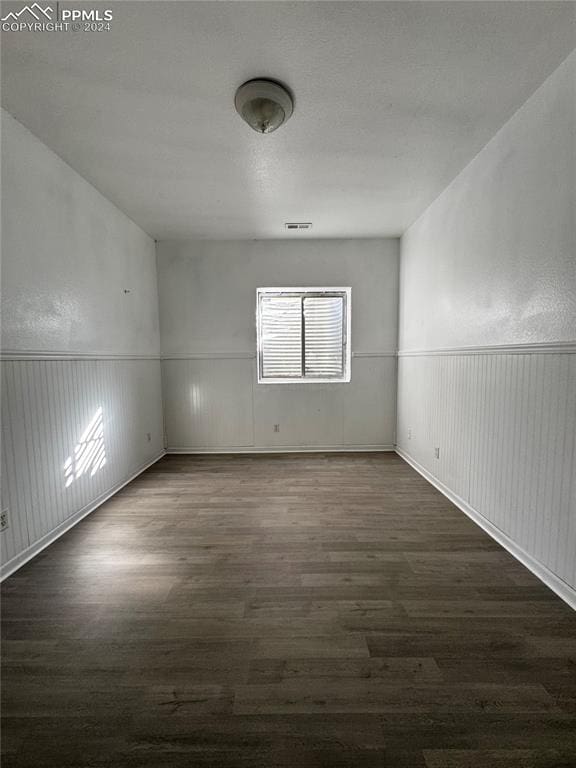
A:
x: 555, y: 583
x: 283, y: 449
x: 23, y: 557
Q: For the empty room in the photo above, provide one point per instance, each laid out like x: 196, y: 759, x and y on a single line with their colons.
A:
x: 288, y: 429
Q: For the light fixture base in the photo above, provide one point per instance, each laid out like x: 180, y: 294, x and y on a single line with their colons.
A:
x: 264, y: 104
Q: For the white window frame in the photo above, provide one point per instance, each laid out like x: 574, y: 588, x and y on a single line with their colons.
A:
x: 346, y: 293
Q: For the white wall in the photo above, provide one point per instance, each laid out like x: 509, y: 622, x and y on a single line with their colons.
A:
x: 208, y: 339
x: 79, y: 332
x: 487, y: 371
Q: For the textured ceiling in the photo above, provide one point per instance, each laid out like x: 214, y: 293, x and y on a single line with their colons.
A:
x: 392, y: 100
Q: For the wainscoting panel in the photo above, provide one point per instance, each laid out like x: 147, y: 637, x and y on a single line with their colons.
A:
x: 72, y: 430
x: 215, y: 403
x: 369, y: 407
x: 504, y: 424
x: 208, y: 402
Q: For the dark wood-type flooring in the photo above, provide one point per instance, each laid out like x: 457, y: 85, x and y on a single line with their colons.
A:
x: 298, y: 611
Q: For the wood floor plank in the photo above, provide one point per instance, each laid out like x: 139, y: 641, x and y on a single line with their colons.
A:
x: 497, y: 758
x: 284, y: 610
x: 375, y: 695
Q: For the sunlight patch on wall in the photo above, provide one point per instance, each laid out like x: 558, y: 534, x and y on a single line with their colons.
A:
x: 197, y: 399
x: 89, y: 452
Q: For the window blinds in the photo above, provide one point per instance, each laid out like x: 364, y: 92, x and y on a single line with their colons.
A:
x: 323, y: 336
x: 302, y: 336
x: 281, y: 336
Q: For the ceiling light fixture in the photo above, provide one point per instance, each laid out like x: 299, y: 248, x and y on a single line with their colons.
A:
x: 264, y: 104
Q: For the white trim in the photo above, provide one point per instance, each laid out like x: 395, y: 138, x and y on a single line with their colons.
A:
x: 297, y: 289
x: 283, y: 449
x: 387, y: 353
x: 252, y: 355
x: 553, y: 347
x: 23, y: 557
x: 550, y: 579
x: 208, y: 356
x: 305, y: 380
x: 30, y: 354
x: 539, y: 348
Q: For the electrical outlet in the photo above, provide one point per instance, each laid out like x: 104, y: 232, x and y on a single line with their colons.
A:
x: 437, y: 452
x: 409, y: 434
x: 4, y: 520
x: 148, y: 436
x: 276, y: 427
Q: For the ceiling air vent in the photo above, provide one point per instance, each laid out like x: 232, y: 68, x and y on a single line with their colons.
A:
x: 298, y: 225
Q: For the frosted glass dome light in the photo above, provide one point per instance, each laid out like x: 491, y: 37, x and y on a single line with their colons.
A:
x: 264, y: 104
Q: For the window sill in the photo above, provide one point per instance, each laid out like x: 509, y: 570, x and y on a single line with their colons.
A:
x: 304, y: 381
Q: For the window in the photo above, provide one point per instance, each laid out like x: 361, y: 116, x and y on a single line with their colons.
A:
x: 303, y: 335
